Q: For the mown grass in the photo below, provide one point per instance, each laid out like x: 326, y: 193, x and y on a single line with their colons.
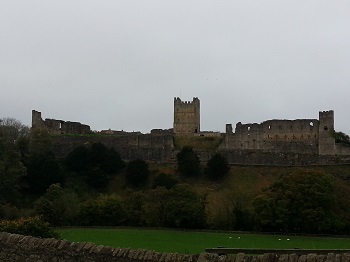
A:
x: 189, y: 242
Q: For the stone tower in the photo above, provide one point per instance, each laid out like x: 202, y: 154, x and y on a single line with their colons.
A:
x: 37, y: 121
x: 326, y: 145
x: 186, y: 116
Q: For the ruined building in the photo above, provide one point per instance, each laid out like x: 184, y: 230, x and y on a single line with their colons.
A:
x: 186, y: 116
x: 306, y: 136
x: 54, y: 126
x: 272, y: 142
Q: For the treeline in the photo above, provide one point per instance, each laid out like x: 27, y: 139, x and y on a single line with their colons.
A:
x: 93, y: 186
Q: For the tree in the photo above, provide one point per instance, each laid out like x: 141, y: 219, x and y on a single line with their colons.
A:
x: 43, y: 171
x: 12, y: 169
x: 184, y: 208
x: 92, y: 156
x: 58, y: 206
x: 217, y: 167
x: 11, y: 129
x: 137, y: 172
x: 95, y: 162
x: 302, y: 201
x: 188, y: 162
x: 134, y: 207
x: 105, y: 210
x: 341, y: 137
x: 164, y: 180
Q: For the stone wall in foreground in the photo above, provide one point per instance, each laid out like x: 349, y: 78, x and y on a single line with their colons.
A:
x: 15, y: 247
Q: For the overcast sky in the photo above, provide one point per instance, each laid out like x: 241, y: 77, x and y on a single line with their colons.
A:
x: 119, y: 64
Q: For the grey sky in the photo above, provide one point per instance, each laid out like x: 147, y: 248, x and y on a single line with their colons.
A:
x: 119, y: 64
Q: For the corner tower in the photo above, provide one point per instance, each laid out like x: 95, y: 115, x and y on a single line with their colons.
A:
x: 186, y: 116
x: 326, y: 144
x: 37, y: 121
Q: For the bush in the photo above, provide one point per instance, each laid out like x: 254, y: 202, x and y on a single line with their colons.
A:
x: 32, y: 226
x: 58, y: 206
x: 105, y: 210
x: 217, y: 167
x: 188, y: 162
x: 184, y: 208
x: 164, y: 180
x: 137, y: 172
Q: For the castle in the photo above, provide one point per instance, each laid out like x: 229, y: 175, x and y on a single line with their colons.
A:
x: 281, y: 142
x: 54, y: 126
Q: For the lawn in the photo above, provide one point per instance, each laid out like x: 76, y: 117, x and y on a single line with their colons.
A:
x: 189, y: 242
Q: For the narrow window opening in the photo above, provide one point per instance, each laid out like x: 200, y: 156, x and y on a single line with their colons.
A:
x: 325, y: 128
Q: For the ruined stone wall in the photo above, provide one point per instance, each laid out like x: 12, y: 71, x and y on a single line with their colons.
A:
x: 305, y: 136
x: 186, y: 116
x: 297, y: 136
x: 25, y: 248
x: 157, y: 148
x: 54, y: 126
x: 160, y: 148
x: 326, y: 141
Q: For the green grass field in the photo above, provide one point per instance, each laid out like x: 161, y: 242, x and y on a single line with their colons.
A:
x: 188, y: 242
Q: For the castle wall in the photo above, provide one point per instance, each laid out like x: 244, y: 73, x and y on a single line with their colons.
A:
x: 160, y: 148
x: 155, y: 148
x: 186, y: 116
x: 298, y: 136
x: 326, y: 127
x: 54, y: 126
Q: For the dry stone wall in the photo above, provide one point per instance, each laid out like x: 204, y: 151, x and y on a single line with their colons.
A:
x: 29, y: 249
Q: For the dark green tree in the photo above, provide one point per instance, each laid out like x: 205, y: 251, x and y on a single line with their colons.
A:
x: 188, y: 162
x: 78, y: 159
x: 164, y: 180
x: 92, y: 156
x: 137, y: 172
x: 43, y: 171
x: 341, y: 137
x: 217, y: 167
x: 105, y: 210
x: 96, y: 163
x: 184, y: 208
x: 302, y: 201
x: 58, y: 206
x: 134, y: 205
x: 12, y: 169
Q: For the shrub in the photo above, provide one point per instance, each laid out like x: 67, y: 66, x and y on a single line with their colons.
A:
x: 137, y: 172
x: 32, y: 226
x: 188, y: 162
x: 105, y: 210
x: 164, y: 180
x: 217, y: 167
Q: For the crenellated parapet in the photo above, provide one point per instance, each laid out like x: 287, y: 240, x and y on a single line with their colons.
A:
x: 186, y: 116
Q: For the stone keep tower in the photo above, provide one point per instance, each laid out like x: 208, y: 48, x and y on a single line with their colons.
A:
x: 186, y: 116
x: 326, y: 145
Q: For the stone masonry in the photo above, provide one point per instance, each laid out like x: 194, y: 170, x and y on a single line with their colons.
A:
x: 15, y: 247
x: 54, y: 126
x: 186, y: 116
